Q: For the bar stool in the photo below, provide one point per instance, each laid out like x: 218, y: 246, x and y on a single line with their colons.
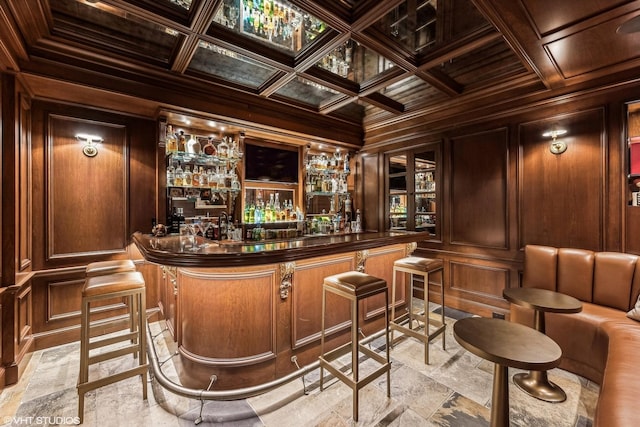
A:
x: 100, y: 268
x: 420, y: 267
x: 126, y: 284
x: 355, y: 286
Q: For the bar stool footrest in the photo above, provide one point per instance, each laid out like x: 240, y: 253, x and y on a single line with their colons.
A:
x: 130, y: 349
x: 112, y: 340
x: 92, y: 385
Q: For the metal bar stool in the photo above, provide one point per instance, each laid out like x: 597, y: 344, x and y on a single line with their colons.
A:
x: 132, y: 286
x: 420, y: 267
x: 100, y: 268
x: 355, y: 286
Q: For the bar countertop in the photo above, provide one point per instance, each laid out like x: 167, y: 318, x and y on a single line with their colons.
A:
x: 178, y: 251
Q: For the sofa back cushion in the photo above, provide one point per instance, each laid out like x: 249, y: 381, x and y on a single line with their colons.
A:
x: 613, y: 279
x: 540, y: 265
x: 610, y: 279
x: 575, y: 273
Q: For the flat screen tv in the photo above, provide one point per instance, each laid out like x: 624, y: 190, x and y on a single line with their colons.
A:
x: 266, y: 163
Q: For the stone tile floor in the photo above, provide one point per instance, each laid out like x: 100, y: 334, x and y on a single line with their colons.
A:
x: 453, y: 390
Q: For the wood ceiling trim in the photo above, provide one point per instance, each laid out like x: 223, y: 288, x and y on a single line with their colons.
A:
x: 250, y: 48
x: 336, y: 103
x: 373, y: 40
x: 512, y: 22
x: 384, y: 102
x: 272, y: 85
x: 382, y: 80
x: 462, y: 46
x: 32, y: 18
x: 328, y: 41
x: 441, y: 81
x: 373, y: 14
x: 338, y: 19
x: 333, y: 81
x: 11, y: 46
x: 203, y: 16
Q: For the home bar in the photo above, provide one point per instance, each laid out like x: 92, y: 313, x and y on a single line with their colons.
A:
x: 285, y: 209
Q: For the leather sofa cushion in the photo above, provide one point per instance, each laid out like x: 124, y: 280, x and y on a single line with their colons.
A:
x: 575, y: 273
x: 540, y: 263
x: 620, y: 388
x: 613, y: 279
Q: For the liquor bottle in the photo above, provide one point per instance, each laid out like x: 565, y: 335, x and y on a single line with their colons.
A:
x: 179, y: 176
x: 195, y: 177
x: 171, y: 144
x: 209, y: 149
x: 175, y: 221
x: 223, y: 148
x: 204, y: 178
x: 347, y: 170
x: 213, y: 182
x: 181, y: 219
x: 187, y: 176
x: 358, y: 226
x: 171, y: 176
x: 193, y: 146
x: 182, y: 142
x: 268, y: 212
x: 347, y: 208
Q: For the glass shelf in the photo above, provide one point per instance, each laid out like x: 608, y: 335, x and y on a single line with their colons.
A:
x: 202, y: 159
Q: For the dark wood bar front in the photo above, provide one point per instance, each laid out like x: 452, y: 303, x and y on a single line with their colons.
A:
x: 243, y: 310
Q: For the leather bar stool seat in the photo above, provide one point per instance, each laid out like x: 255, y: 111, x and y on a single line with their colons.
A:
x: 355, y: 286
x: 100, y: 268
x: 418, y: 266
x: 128, y: 285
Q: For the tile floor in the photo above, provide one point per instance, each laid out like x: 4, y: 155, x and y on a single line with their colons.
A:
x: 453, y: 390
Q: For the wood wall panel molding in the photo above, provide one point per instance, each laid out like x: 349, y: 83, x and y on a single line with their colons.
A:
x: 205, y: 300
x: 25, y: 317
x: 379, y: 265
x: 570, y: 188
x: 25, y: 190
x: 63, y: 301
x: 306, y: 313
x: 87, y: 197
x: 479, y: 188
x: 478, y: 282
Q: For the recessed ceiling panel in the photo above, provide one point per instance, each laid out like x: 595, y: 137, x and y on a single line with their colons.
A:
x: 412, y: 29
x: 102, y: 26
x: 493, y: 61
x: 275, y: 23
x: 355, y: 62
x: 231, y: 66
x: 307, y: 92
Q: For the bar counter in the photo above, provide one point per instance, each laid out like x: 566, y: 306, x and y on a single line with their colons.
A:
x: 250, y: 312
x: 177, y: 251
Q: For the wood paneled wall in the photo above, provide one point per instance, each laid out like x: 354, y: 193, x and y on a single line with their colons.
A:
x: 502, y: 189
x: 562, y: 195
x: 479, y: 171
x: 87, y: 197
x: 85, y: 208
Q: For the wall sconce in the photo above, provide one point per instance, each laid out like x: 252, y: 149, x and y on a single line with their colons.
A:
x: 556, y: 147
x: 89, y: 149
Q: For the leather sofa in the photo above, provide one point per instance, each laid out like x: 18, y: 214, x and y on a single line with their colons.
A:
x: 601, y: 342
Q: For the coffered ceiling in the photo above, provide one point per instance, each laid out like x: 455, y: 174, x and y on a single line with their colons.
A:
x: 362, y: 61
